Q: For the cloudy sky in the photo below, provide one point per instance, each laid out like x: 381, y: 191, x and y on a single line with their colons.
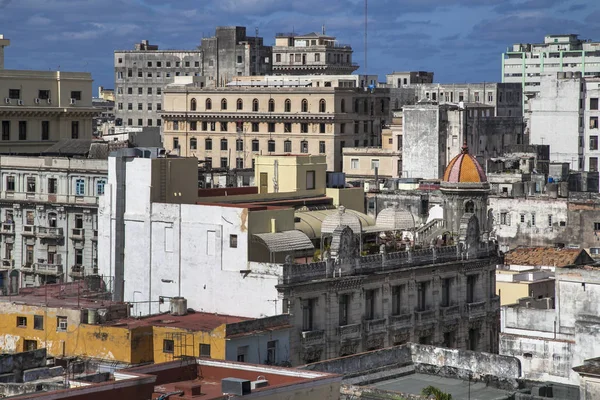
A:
x: 460, y: 40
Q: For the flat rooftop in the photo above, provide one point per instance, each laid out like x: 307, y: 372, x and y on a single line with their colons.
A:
x: 194, y: 321
x: 459, y: 389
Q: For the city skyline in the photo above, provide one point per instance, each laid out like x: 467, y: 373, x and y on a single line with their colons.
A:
x: 468, y: 35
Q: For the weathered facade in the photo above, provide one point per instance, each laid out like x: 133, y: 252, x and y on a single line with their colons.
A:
x: 48, y: 208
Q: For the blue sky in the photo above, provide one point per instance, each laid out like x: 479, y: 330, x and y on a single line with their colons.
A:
x: 460, y: 40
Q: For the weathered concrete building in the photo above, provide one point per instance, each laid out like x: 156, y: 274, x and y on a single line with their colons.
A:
x: 407, y: 78
x: 433, y: 133
x: 140, y: 76
x: 550, y: 341
x: 445, y: 294
x: 232, y: 52
x: 311, y: 54
x: 49, y: 208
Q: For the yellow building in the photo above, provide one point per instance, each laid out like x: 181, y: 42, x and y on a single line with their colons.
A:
x: 101, y: 329
x: 512, y: 285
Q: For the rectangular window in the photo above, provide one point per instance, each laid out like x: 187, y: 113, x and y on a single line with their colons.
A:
x: 374, y: 164
x: 223, y: 126
x: 80, y: 187
x: 593, y: 142
x: 271, y: 127
x: 504, y: 218
x: 397, y: 293
x: 310, y: 180
x: 303, y: 127
x: 271, y: 352
x: 354, y: 163
x: 321, y: 128
x: 61, y: 324
x: 204, y: 350
x: 130, y: 106
x: 593, y: 103
x: 38, y: 322
x: 308, y: 307
x: 370, y: 304
x: 342, y: 128
x: 287, y: 127
x: 78, y: 256
x: 52, y: 185
x: 422, y: 300
x: 224, y: 162
x: 74, y: 129
x: 5, y: 130
x: 30, y: 184
x: 471, y: 287
x: 176, y: 143
x: 242, y: 353
x: 223, y: 144
x: 76, y: 94
x: 255, y: 127
x: 168, y: 346
x: 43, y: 94
x: 208, y: 144
x: 322, y: 147
x: 10, y: 183
x: 446, y: 285
x: 29, y: 253
x: 100, y: 187
x: 255, y: 145
x: 193, y: 125
x: 140, y: 106
x: 233, y: 241
x: 14, y: 94
x: 22, y: 322
x: 343, y: 309
x: 593, y: 164
x: 597, y: 226
x: 22, y: 130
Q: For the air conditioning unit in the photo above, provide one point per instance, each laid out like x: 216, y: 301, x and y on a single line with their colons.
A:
x: 20, y: 102
x: 49, y: 101
x: 73, y: 101
x: 7, y: 100
x: 37, y: 101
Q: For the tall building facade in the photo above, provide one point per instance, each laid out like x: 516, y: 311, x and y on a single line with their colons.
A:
x: 140, y: 76
x: 313, y: 53
x: 48, y: 209
x: 525, y: 63
x: 231, y: 52
x: 226, y: 127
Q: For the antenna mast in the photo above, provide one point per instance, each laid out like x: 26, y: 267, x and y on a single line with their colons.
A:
x: 366, y: 22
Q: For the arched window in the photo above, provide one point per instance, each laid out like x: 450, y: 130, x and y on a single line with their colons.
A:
x: 287, y: 105
x: 255, y: 105
x: 224, y: 104
x: 193, y: 105
x: 304, y: 105
x: 208, y: 104
x: 304, y: 146
x: 271, y: 105
x: 469, y: 207
x: 322, y: 105
x: 271, y: 146
x: 343, y: 106
x: 240, y: 104
x: 193, y: 144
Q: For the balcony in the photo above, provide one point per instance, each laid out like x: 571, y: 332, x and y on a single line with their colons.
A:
x: 375, y: 325
x: 27, y: 267
x: 48, y: 269
x: 7, y: 264
x: 77, y: 271
x: 346, y: 332
x: 28, y: 230
x: 95, y: 237
x: 7, y: 228
x: 424, y: 317
x: 401, y: 321
x: 312, y: 338
x: 476, y: 310
x: 77, y: 234
x: 50, y: 233
x: 450, y: 312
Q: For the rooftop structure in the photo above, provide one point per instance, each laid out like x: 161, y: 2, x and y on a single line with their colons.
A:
x: 464, y: 168
x: 547, y: 256
x: 406, y: 78
x: 3, y: 43
x: 313, y: 53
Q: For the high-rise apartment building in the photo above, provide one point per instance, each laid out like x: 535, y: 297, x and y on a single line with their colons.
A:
x: 525, y: 63
x: 231, y: 52
x: 226, y: 127
x: 140, y: 76
x: 313, y: 53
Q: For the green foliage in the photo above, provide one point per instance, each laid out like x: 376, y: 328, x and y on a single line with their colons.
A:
x: 435, y: 393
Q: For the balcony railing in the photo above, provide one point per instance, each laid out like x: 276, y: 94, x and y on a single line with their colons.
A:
x: 7, y: 264
x: 8, y: 228
x: 450, y: 312
x: 401, y: 321
x: 77, y: 234
x: 313, y: 337
x: 424, y: 317
x: 349, y: 331
x: 48, y: 269
x: 476, y: 310
x: 28, y: 230
x: 77, y: 271
x: 49, y: 233
x: 27, y: 267
x: 375, y: 325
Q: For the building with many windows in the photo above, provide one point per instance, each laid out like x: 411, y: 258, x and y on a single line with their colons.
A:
x: 313, y: 53
x: 525, y: 63
x: 227, y: 127
x: 140, y: 76
x: 48, y: 210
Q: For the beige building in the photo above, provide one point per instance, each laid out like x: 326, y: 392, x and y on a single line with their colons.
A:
x: 227, y: 127
x: 3, y: 44
x: 39, y: 108
x: 313, y: 53
x: 515, y: 282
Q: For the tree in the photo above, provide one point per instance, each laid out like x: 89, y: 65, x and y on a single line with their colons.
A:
x: 437, y: 394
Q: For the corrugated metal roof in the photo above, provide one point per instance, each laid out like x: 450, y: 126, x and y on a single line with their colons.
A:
x: 281, y: 242
x: 311, y: 221
x: 395, y: 219
x: 340, y: 218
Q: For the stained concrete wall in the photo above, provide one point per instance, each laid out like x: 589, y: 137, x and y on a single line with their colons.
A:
x: 423, y: 142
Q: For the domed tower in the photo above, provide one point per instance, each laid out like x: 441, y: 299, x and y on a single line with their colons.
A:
x: 465, y: 191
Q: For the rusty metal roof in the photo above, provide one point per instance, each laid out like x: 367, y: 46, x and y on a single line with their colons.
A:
x: 547, y: 256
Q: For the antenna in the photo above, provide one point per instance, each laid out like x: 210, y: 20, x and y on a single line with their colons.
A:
x: 366, y: 26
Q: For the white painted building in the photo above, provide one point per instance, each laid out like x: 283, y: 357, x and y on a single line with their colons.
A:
x: 158, y: 243
x: 48, y: 210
